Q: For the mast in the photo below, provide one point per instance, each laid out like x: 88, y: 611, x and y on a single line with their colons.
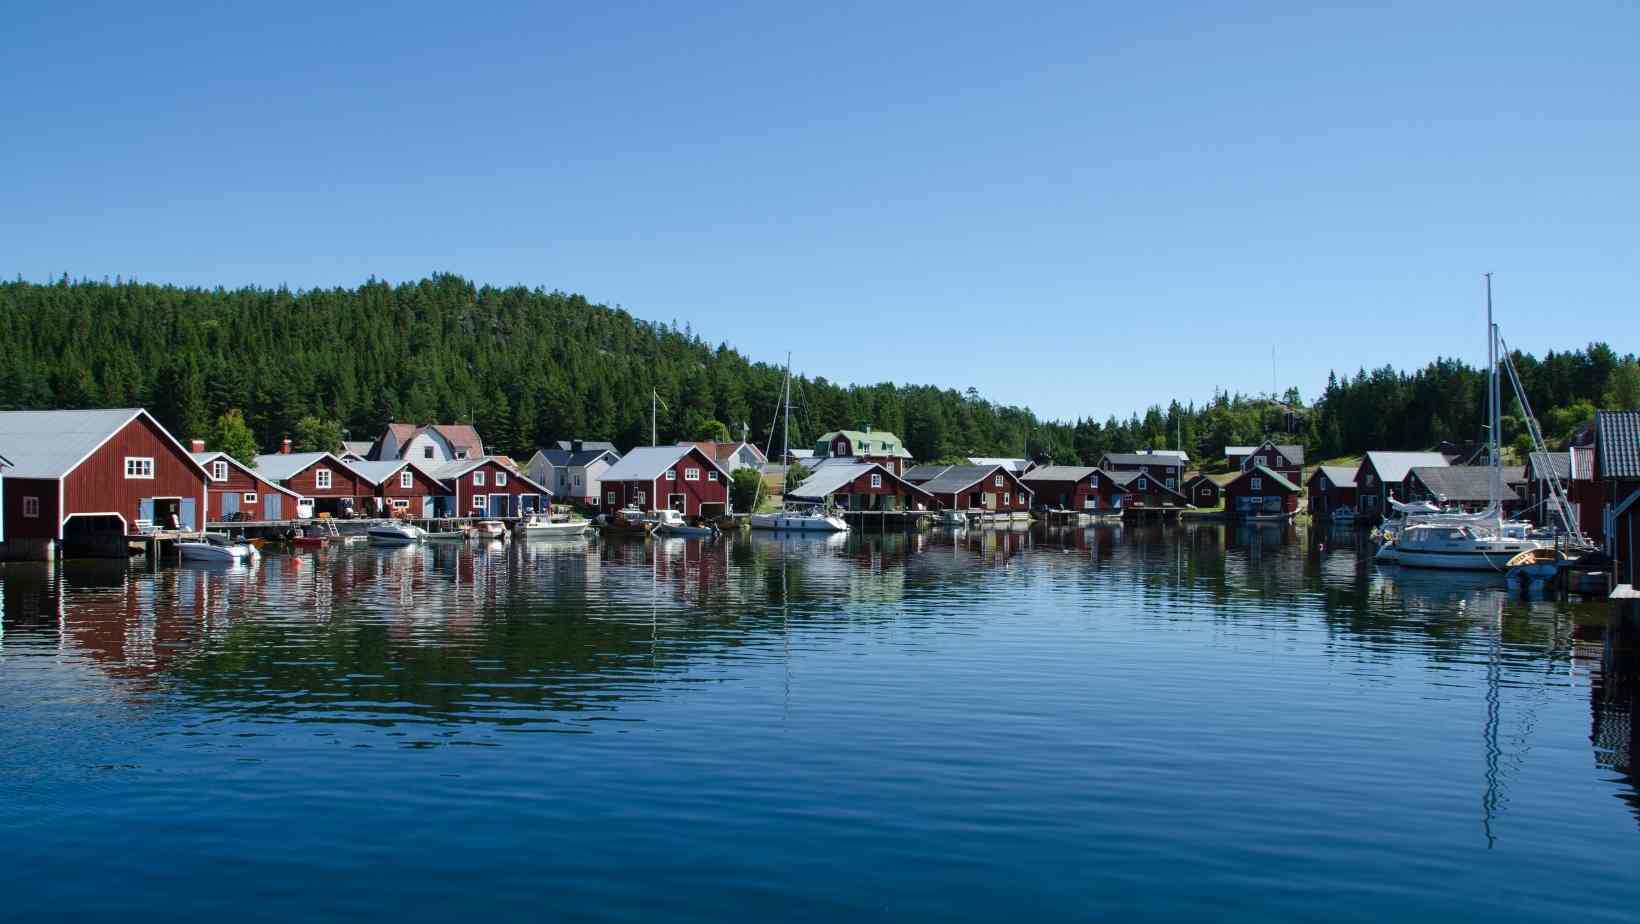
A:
x: 786, y: 405
x: 654, y: 398
x: 1494, y: 423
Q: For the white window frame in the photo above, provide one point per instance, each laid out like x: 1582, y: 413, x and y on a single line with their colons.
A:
x: 426, y: 452
x: 671, y: 474
x: 876, y: 480
x: 219, y: 470
x: 609, y: 497
x: 500, y: 479
x: 1255, y: 483
x: 322, y: 480
x: 139, y: 468
x: 577, y: 481
x: 641, y: 497
x: 461, y: 453
x: 1140, y: 484
x: 403, y: 503
x: 31, y: 508
x: 712, y: 475
x: 691, y: 474
x: 407, y: 479
x: 1173, y: 483
x: 478, y: 478
x: 997, y: 481
x: 249, y: 497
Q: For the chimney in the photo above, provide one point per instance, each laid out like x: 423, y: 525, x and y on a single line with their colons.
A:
x: 284, y: 448
x: 199, y: 445
x: 575, y: 445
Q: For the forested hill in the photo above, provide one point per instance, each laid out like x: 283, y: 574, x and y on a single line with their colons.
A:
x: 528, y: 366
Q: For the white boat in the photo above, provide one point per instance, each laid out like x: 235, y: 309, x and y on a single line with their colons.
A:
x: 395, y: 534
x: 811, y: 519
x: 537, y: 527
x: 489, y: 529
x: 672, y: 523
x: 1483, y: 541
x: 215, y: 548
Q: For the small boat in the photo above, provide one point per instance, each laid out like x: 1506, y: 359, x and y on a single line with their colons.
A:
x: 672, y: 523
x: 1267, y: 517
x: 316, y: 536
x: 489, y: 529
x: 394, y: 534
x: 214, y: 547
x: 539, y: 527
x: 627, y: 519
x: 800, y: 519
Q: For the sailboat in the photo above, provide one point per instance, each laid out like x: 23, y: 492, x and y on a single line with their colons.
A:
x: 799, y: 518
x: 1483, y: 541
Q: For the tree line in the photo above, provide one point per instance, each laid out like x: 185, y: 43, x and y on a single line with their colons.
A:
x: 530, y: 366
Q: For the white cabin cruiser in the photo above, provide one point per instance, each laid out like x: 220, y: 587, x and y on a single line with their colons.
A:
x: 395, y: 534
x: 804, y: 519
x: 536, y: 526
x: 215, y: 547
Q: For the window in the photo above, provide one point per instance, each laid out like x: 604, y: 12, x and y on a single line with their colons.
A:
x: 1141, y: 484
x: 997, y: 480
x: 478, y: 479
x: 876, y: 481
x: 400, y: 503
x: 1255, y: 483
x: 577, y: 481
x: 671, y: 474
x: 426, y: 452
x: 711, y: 476
x: 1172, y: 483
x: 219, y: 470
x: 139, y: 467
x: 31, y: 508
x: 407, y: 479
x: 642, y: 498
x: 500, y: 479
x: 461, y: 453
x: 691, y: 474
x: 321, y: 479
x: 609, y: 497
x: 249, y: 497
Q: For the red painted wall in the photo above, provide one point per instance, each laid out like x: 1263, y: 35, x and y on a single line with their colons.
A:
x: 696, y: 493
x: 344, y: 482
x: 910, y: 497
x: 1242, y: 487
x: 421, y: 487
x: 42, y: 527
x: 516, y: 486
x: 1008, y: 496
x: 238, y: 484
x: 1060, y: 493
x: 99, y: 484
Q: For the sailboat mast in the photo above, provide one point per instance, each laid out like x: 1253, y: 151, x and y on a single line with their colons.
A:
x: 786, y: 406
x: 654, y: 438
x: 1494, y: 423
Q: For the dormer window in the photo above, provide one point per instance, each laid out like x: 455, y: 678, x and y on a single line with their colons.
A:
x: 461, y: 453
x: 219, y: 470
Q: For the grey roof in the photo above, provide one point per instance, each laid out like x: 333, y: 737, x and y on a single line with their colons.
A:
x: 1124, y: 479
x: 958, y: 478
x: 455, y: 468
x: 206, y: 458
x: 1341, y: 476
x: 1013, y: 465
x: 1464, y: 482
x: 1239, y: 451
x: 1141, y: 458
x: 1058, y: 473
x: 5, y: 462
x: 281, y: 465
x: 1394, y: 466
x: 588, y: 445
x: 360, y: 448
x: 1617, y: 434
x: 377, y: 472
x: 646, y: 463
x: 800, y: 453
x: 1542, y: 463
x: 828, y: 478
x: 50, y: 444
x: 924, y: 472
x: 556, y: 457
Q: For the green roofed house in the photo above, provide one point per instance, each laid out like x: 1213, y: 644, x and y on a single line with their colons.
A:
x: 868, y: 445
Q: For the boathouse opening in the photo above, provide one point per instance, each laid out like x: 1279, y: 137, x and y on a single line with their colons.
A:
x: 94, y: 535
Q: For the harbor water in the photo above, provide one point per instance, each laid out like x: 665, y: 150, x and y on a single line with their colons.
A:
x: 1170, y: 723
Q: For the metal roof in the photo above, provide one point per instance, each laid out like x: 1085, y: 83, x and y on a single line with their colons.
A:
x: 828, y: 479
x: 1394, y: 466
x: 874, y: 443
x: 377, y: 472
x: 50, y: 444
x: 646, y: 463
x: 1464, y: 482
x: 1341, y: 476
x: 569, y: 457
x: 958, y: 478
x: 1141, y: 458
x: 924, y: 472
x: 1013, y: 465
x: 1540, y: 464
x: 1239, y: 451
x: 1617, y: 439
x: 1058, y: 473
x: 279, y: 466
x: 588, y: 445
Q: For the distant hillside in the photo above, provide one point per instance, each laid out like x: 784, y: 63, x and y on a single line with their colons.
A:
x: 528, y: 366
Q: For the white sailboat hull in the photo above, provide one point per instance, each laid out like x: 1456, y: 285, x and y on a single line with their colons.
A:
x: 799, y: 523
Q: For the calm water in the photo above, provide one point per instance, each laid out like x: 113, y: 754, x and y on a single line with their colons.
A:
x: 1195, y: 724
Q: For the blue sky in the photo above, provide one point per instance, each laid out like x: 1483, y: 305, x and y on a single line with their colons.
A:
x: 1081, y: 208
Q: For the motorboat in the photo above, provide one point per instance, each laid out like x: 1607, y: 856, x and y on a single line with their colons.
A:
x: 627, y: 519
x: 489, y: 529
x: 672, y: 523
x: 800, y: 519
x: 215, y: 547
x: 536, y: 526
x: 394, y: 534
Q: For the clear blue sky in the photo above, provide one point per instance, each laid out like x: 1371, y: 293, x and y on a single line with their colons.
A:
x: 1081, y: 208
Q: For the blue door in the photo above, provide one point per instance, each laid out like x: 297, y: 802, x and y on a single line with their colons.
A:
x: 498, y: 504
x: 273, y: 506
x: 526, y: 504
x: 185, y: 513
x: 230, y: 503
x: 145, y: 510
